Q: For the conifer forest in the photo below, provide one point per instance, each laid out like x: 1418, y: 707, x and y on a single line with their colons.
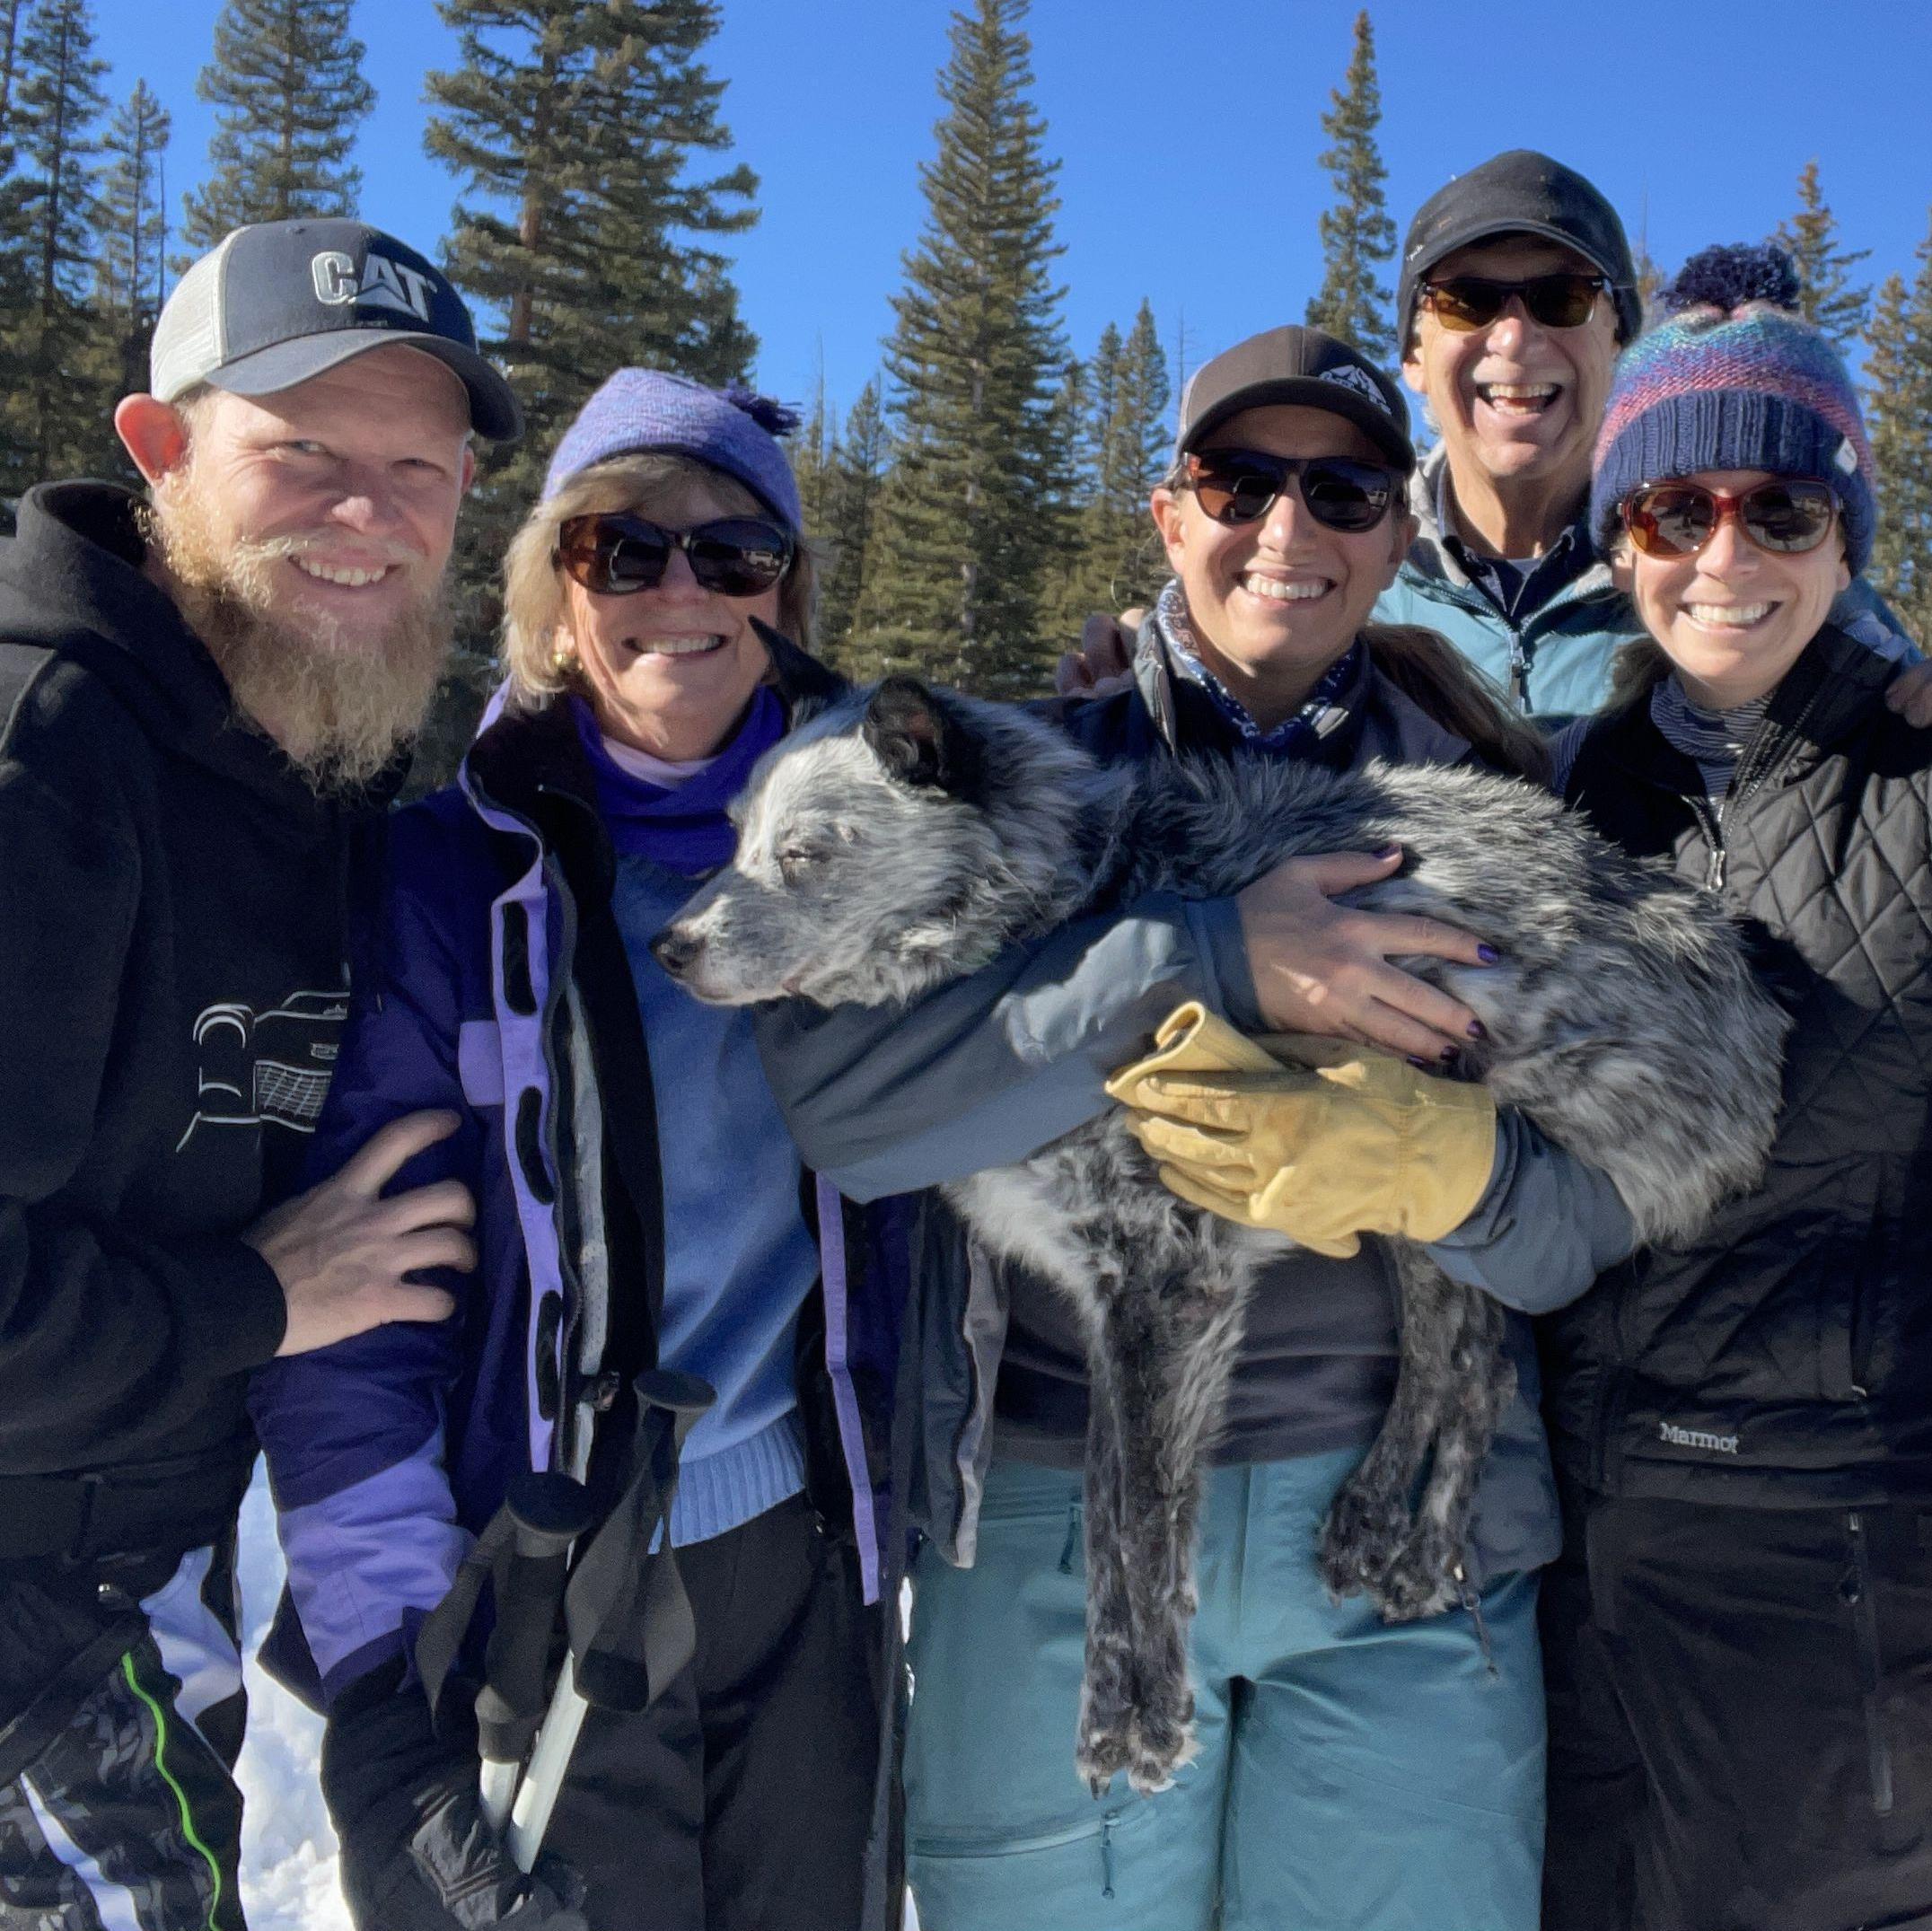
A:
x: 982, y: 493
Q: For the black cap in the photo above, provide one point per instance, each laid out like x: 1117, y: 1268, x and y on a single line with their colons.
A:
x: 272, y: 304
x: 1301, y: 365
x: 1521, y: 192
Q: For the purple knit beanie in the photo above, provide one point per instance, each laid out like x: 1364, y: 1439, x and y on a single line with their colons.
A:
x: 732, y: 429
x: 1733, y: 378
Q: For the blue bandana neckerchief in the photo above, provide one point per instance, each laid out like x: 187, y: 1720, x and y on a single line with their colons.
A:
x: 685, y: 828
x: 1320, y: 715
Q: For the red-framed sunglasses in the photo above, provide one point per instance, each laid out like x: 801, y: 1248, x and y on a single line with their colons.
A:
x: 1786, y: 516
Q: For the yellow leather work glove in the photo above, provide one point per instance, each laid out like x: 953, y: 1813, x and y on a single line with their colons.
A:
x: 1319, y: 1139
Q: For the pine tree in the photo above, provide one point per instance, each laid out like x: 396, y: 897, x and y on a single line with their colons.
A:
x: 1826, y: 295
x: 134, y: 232
x: 1076, y: 576
x: 1145, y: 449
x: 814, y: 451
x: 16, y: 236
x: 858, y: 471
x: 573, y: 129
x: 1146, y: 397
x: 1649, y: 282
x: 1115, y: 560
x: 12, y: 13
x: 1898, y: 374
x: 583, y: 229
x: 1096, y: 450
x: 50, y: 415
x: 287, y: 76
x: 1356, y: 232
x: 975, y: 358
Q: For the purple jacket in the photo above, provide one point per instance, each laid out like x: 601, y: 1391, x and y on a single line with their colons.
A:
x: 496, y: 986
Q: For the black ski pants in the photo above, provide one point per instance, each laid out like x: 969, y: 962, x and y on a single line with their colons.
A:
x: 741, y: 1800
x: 1740, y: 1719
x: 121, y: 1715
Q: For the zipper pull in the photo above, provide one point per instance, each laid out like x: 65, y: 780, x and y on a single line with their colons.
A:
x: 1106, y: 1855
x: 1714, y: 871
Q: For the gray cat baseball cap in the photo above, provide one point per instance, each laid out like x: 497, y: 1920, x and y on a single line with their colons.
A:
x: 273, y: 305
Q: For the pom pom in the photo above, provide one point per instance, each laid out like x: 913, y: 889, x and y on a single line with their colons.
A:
x: 774, y: 417
x: 1727, y: 277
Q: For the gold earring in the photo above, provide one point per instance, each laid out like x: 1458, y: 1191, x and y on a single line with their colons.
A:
x: 564, y: 653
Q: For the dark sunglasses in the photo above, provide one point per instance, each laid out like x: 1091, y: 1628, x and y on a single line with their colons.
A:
x: 616, y: 554
x: 1679, y: 519
x: 1463, y: 302
x: 1240, y: 486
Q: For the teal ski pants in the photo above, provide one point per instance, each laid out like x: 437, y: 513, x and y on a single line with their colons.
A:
x: 1352, y: 1775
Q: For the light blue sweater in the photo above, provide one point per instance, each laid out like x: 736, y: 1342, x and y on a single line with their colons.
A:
x: 739, y: 1260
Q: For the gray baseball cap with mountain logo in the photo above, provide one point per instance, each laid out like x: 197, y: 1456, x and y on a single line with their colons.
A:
x: 279, y: 301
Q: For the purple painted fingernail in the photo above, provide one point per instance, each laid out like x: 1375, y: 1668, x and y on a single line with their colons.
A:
x: 1388, y: 851
x: 1478, y: 1031
x: 1448, y: 1055
x: 1421, y: 1065
x: 1489, y: 955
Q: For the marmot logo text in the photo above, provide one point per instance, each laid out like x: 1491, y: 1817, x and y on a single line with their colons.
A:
x: 1722, y: 1444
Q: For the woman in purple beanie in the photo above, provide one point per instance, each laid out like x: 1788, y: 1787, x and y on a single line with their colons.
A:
x: 656, y: 1266
x: 1739, y: 1637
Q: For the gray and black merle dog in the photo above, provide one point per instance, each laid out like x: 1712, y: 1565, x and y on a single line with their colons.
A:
x: 903, y: 836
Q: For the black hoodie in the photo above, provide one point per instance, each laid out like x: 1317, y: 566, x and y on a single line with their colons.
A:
x: 173, y: 983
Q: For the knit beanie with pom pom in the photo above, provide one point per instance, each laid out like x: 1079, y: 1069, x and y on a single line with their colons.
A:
x: 732, y: 429
x: 1733, y: 378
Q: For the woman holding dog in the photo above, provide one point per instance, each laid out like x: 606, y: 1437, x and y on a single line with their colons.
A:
x: 639, y: 1206
x: 1740, y: 1634
x: 1351, y: 1773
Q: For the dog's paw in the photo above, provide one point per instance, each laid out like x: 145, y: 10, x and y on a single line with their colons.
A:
x: 1423, y: 1580
x: 1101, y: 1754
x: 1104, y: 1744
x: 1162, y: 1745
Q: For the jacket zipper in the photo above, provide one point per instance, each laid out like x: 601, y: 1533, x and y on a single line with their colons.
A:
x: 1711, y: 818
x: 1070, y: 1548
x: 1762, y: 757
x: 1519, y: 668
x: 1476, y: 604
x: 1864, y: 1616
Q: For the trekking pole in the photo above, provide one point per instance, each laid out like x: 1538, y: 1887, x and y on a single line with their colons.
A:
x: 547, y: 1513
x: 629, y: 1618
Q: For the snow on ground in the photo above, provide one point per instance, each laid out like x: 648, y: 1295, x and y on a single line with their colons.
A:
x: 288, y: 1851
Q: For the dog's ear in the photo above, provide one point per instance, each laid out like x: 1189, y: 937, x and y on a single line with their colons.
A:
x: 910, y: 733
x: 798, y: 676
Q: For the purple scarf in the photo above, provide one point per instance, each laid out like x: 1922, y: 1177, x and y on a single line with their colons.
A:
x: 684, y: 830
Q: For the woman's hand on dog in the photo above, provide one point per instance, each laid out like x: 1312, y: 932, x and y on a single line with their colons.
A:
x: 1104, y: 663
x: 1320, y: 967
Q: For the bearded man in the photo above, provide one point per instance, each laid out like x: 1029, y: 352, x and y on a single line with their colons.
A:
x: 204, y: 699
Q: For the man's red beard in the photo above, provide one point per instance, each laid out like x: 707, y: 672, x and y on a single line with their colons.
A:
x: 339, y: 702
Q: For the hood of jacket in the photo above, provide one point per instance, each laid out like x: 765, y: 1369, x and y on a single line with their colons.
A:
x: 73, y: 581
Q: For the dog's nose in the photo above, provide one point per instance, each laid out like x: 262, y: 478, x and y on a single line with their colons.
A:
x: 677, y: 952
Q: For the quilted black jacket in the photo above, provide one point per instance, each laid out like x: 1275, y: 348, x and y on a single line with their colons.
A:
x: 1785, y: 1357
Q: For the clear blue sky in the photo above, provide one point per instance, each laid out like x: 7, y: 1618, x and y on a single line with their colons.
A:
x: 1187, y: 137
